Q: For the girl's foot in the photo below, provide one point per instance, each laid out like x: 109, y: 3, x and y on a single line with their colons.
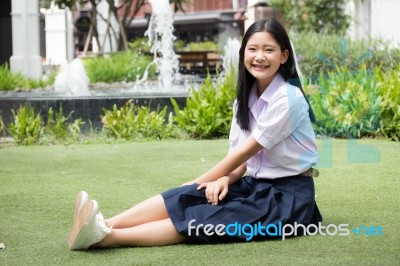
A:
x: 89, y: 227
x: 81, y: 199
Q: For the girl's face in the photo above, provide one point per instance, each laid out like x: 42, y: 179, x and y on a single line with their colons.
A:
x: 263, y: 57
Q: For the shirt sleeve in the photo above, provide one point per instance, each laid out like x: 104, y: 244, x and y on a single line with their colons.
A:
x: 281, y: 117
x: 234, y: 133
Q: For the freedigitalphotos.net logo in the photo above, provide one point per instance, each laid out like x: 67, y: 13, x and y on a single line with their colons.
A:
x: 249, y: 231
x: 368, y: 231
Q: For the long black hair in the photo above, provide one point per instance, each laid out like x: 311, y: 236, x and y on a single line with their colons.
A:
x: 246, y: 80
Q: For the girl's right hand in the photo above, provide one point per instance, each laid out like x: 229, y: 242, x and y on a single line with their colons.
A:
x: 215, y: 191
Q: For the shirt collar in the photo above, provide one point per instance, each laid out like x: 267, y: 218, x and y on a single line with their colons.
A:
x: 266, y: 96
x: 275, y: 84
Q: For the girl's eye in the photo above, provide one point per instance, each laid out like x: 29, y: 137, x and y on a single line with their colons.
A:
x: 269, y: 50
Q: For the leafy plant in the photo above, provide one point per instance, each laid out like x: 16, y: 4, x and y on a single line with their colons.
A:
x: 208, y: 110
x: 8, y: 79
x: 388, y: 85
x: 137, y: 122
x: 346, y: 104
x: 27, y: 128
x: 59, y: 128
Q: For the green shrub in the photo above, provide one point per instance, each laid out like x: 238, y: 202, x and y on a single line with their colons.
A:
x: 40, y: 83
x: 322, y: 53
x: 346, y: 104
x: 8, y: 79
x: 208, y: 110
x: 11, y: 81
x: 59, y: 128
x: 201, y: 46
x: 26, y: 128
x: 119, y: 67
x: 132, y: 122
x: 388, y: 85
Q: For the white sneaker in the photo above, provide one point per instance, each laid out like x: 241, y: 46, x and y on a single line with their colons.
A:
x: 81, y: 199
x: 89, y: 227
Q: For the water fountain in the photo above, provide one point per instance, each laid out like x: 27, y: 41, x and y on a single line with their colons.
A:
x: 161, y: 40
x: 71, y: 86
x: 72, y: 80
x: 231, y: 54
x: 71, y: 91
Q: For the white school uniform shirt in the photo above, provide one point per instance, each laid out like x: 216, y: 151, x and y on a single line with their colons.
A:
x: 280, y: 122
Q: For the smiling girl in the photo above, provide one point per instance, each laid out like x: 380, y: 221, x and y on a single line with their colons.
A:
x: 266, y: 178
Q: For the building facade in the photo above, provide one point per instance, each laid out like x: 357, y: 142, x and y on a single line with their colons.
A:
x: 375, y: 19
x: 216, y: 20
x: 202, y: 20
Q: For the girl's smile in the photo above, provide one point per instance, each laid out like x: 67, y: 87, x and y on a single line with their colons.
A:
x: 263, y: 58
x: 260, y: 67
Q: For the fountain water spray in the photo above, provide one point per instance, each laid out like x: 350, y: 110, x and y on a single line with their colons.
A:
x: 72, y: 79
x: 231, y: 55
x: 161, y: 38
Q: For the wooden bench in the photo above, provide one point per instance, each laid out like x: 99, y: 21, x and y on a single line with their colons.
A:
x: 199, y: 61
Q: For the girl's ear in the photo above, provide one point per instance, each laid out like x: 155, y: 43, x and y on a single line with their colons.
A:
x: 284, y: 56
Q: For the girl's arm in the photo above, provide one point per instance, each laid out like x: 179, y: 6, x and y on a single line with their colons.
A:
x: 216, y: 181
x: 217, y: 190
x: 231, y: 178
x: 231, y: 162
x: 236, y: 174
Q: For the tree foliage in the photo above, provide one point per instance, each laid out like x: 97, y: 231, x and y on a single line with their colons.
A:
x: 321, y: 16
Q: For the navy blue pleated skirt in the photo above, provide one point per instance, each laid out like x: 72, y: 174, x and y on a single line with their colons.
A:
x: 263, y: 203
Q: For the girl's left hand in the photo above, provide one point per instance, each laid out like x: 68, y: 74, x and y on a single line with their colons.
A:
x: 215, y: 191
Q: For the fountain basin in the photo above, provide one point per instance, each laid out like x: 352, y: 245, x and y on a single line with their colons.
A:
x: 88, y: 108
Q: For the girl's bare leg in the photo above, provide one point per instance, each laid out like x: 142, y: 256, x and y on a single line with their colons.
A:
x: 155, y: 233
x: 150, y: 210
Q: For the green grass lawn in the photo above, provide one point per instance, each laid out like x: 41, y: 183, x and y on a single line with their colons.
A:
x: 358, y: 186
